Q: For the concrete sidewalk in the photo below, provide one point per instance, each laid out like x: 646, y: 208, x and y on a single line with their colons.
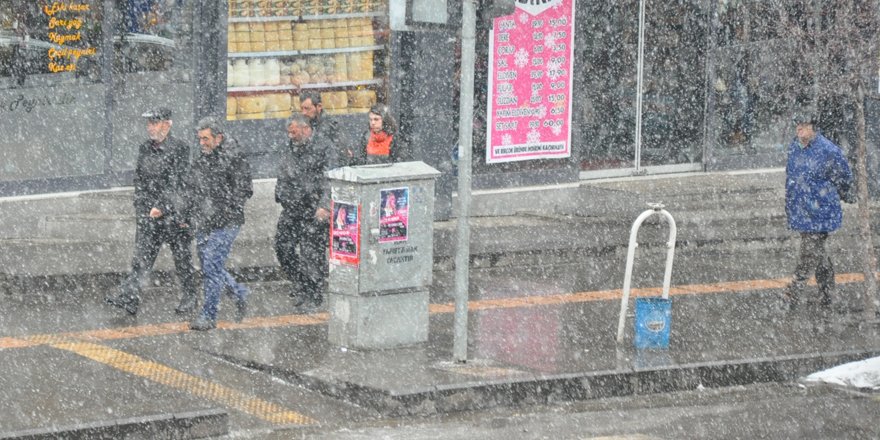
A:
x: 547, y: 266
x: 549, y: 347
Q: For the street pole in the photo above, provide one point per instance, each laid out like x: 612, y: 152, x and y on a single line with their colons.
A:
x: 465, y: 140
x: 640, y: 73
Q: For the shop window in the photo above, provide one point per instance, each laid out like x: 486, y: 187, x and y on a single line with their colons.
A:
x: 42, y: 43
x: 150, y: 36
x: 276, y: 49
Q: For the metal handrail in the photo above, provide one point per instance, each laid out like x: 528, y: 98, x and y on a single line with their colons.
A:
x: 656, y: 208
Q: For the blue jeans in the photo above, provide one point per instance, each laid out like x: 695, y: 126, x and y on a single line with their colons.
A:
x: 213, y: 250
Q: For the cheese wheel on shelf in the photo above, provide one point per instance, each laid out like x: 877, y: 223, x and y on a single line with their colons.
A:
x: 256, y: 72
x: 334, y: 100
x: 258, y: 46
x: 272, y: 72
x: 231, y: 106
x: 278, y: 105
x: 240, y: 73
x: 361, y: 98
x: 251, y: 107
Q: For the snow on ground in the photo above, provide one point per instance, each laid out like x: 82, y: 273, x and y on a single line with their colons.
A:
x: 863, y: 374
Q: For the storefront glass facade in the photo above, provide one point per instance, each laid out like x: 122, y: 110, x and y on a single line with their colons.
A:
x: 74, y: 79
x: 721, y: 79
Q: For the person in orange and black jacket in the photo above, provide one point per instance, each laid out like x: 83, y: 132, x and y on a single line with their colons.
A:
x: 381, y: 143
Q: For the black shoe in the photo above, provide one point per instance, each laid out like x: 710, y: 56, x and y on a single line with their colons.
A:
x: 791, y: 297
x: 187, y: 304
x: 203, y: 323
x: 299, y: 300
x: 126, y: 302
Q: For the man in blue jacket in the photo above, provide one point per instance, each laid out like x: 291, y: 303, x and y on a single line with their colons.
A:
x: 817, y: 176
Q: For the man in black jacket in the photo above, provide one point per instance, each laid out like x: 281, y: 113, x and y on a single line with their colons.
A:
x: 304, y: 194
x: 220, y: 185
x: 159, y: 192
x: 313, y: 110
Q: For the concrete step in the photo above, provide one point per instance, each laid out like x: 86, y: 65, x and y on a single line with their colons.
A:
x: 192, y: 424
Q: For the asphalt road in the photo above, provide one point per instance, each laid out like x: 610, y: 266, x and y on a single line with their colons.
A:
x: 771, y: 411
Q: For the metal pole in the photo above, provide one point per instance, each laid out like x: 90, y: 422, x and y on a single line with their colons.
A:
x: 107, y: 53
x: 465, y: 139
x: 640, y: 71
x: 656, y: 208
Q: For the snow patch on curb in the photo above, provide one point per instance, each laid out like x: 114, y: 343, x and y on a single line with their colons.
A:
x: 864, y: 374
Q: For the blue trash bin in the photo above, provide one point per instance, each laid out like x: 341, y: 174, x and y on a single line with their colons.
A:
x: 653, y: 321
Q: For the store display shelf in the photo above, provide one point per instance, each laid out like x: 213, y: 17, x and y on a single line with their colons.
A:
x: 293, y: 53
x: 263, y: 19
x: 287, y: 88
x: 303, y: 17
x: 342, y: 16
x: 341, y: 50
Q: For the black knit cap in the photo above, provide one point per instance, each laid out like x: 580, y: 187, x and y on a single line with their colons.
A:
x: 804, y: 118
x: 158, y: 114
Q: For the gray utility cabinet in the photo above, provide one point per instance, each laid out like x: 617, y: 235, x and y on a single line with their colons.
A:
x: 381, y: 254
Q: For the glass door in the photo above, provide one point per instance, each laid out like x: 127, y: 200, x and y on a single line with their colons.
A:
x: 673, y: 90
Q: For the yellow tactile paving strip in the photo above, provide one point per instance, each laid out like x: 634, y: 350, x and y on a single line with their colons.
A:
x: 99, y: 335
x: 196, y: 386
x: 84, y: 343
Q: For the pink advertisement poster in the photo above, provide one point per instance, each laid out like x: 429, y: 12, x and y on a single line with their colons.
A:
x: 344, y: 232
x: 530, y: 61
x: 394, y: 215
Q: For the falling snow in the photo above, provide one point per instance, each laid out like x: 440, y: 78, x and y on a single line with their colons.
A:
x: 521, y: 58
x: 533, y: 137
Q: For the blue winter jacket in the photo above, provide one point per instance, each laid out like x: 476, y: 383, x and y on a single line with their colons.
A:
x: 815, y: 176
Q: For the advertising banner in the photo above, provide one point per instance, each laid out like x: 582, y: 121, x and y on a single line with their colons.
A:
x: 344, y: 231
x: 394, y: 215
x: 530, y: 61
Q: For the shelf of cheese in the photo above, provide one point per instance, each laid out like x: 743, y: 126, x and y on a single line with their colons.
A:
x: 293, y: 53
x: 269, y: 8
x: 266, y: 19
x: 282, y: 105
x: 335, y: 69
x: 286, y: 36
x: 311, y: 86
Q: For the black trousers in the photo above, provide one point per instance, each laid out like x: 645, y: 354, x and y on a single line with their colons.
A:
x: 301, y: 248
x: 149, y: 237
x: 814, y: 257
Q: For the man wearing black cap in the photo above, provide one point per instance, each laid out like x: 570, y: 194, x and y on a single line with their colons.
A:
x: 817, y: 178
x: 163, y: 163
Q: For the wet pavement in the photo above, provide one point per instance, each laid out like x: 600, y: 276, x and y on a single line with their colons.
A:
x: 542, y: 327
x: 72, y: 361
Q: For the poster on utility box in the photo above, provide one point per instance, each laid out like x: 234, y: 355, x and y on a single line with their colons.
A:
x: 530, y: 61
